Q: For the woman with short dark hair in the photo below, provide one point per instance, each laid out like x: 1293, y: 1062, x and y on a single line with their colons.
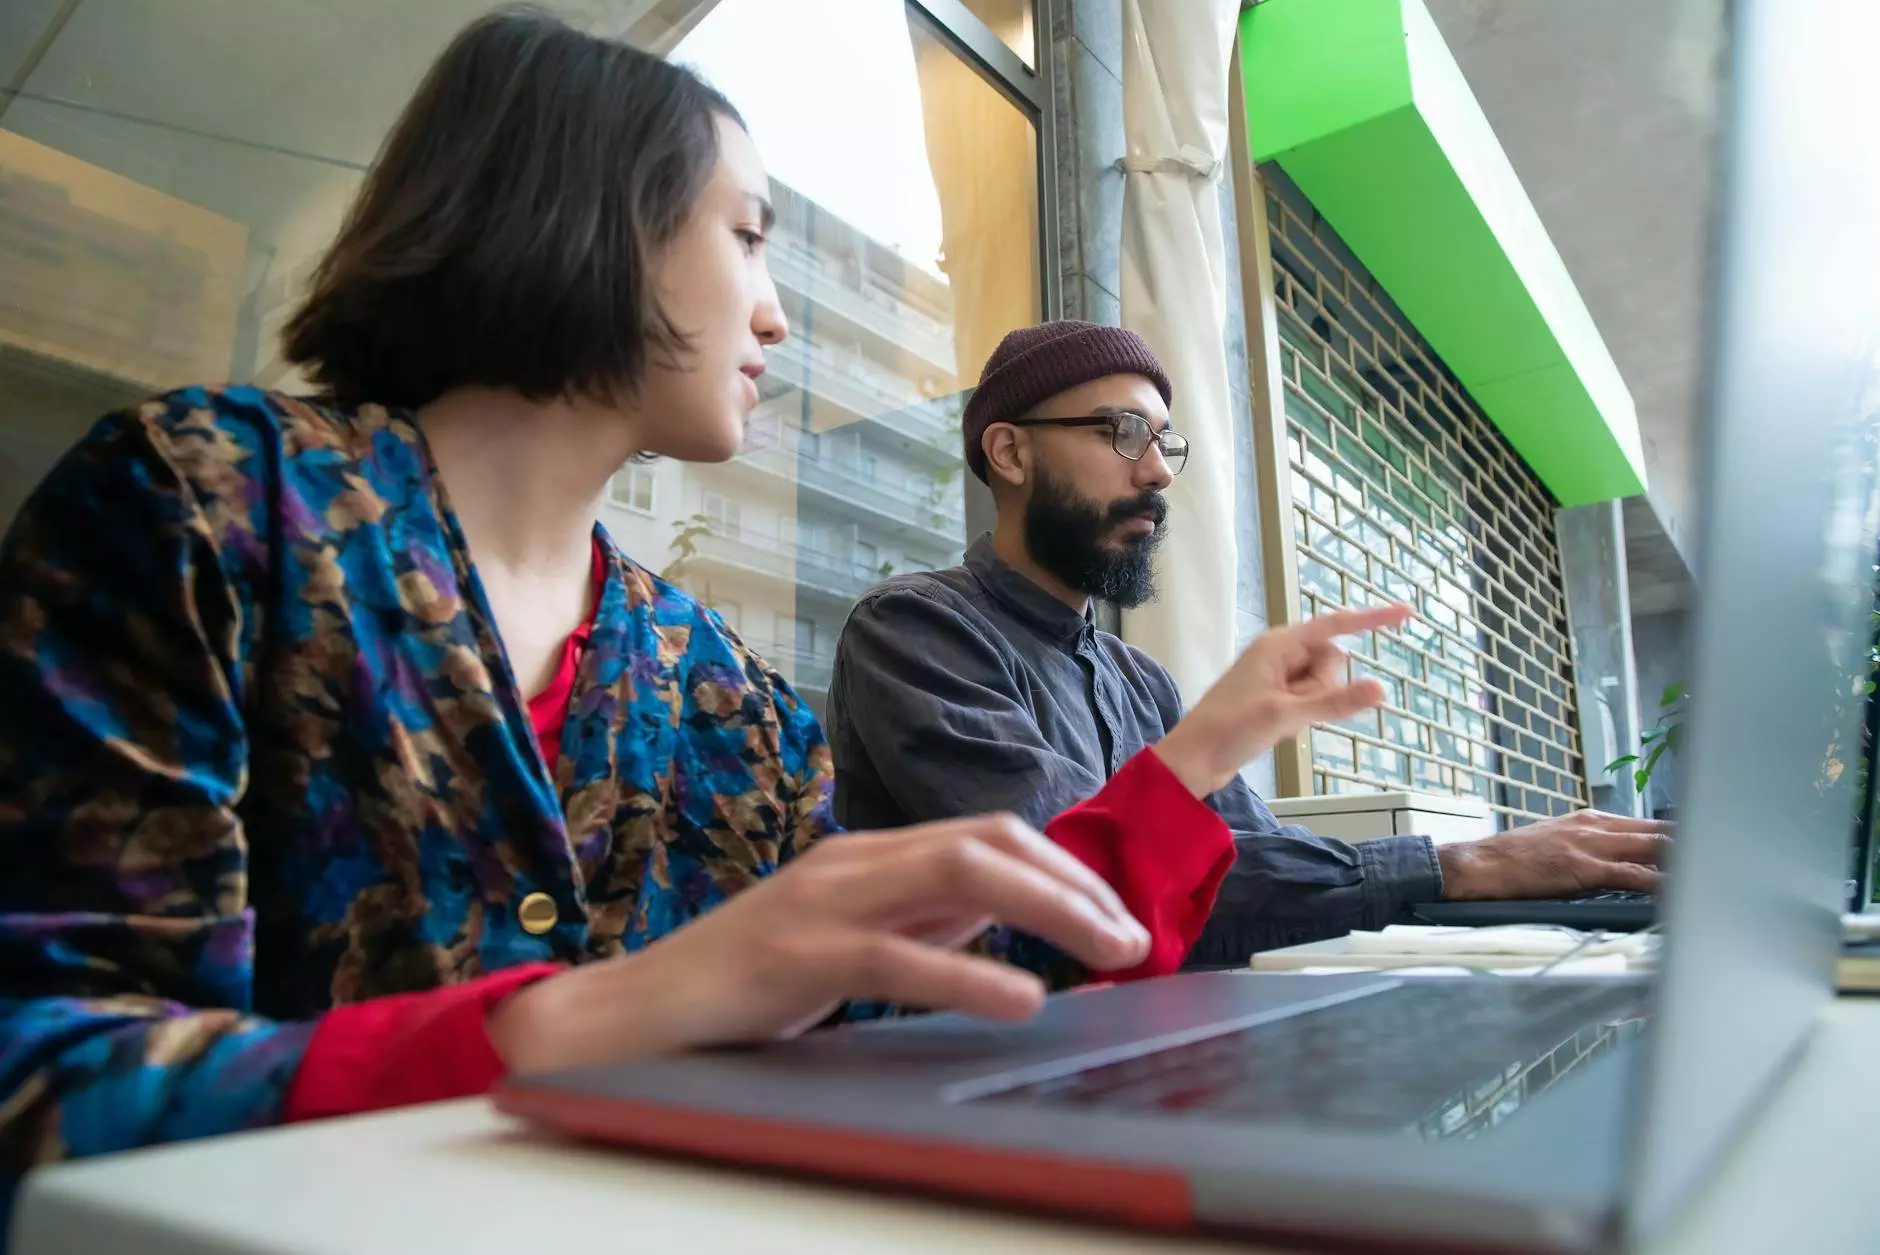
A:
x: 344, y: 760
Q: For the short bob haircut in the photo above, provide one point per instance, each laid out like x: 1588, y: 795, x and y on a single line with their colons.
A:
x: 505, y: 237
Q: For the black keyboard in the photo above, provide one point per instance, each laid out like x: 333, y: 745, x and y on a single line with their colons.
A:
x: 1433, y: 1058
x: 1618, y: 911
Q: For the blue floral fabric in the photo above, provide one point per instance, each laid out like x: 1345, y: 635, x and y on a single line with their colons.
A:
x: 261, y: 754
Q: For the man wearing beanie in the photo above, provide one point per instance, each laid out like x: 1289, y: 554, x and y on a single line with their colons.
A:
x: 987, y: 687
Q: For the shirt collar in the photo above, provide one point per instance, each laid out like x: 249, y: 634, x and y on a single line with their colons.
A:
x: 1021, y: 596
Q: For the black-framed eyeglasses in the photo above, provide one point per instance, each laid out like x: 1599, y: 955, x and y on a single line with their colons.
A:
x: 1130, y: 435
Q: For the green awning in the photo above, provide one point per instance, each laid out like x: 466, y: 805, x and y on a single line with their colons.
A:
x: 1363, y: 106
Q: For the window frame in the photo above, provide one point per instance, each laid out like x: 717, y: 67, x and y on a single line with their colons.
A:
x: 631, y: 474
x: 1030, y: 89
x: 725, y: 515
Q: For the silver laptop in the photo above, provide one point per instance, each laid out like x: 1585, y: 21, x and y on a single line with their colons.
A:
x: 1494, y: 1112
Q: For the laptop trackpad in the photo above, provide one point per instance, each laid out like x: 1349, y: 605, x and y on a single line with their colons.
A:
x: 1437, y: 1059
x: 1075, y: 1030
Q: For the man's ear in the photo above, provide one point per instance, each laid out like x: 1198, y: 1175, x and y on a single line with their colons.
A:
x: 1008, y: 454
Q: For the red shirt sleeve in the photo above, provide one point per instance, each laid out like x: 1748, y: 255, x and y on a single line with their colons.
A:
x: 1162, y: 849
x: 405, y: 1048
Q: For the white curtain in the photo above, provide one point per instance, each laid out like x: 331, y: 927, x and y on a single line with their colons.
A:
x: 1176, y: 57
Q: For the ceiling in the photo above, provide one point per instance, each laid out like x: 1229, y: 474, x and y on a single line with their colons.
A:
x: 1608, y: 111
x: 243, y: 108
x: 266, y: 114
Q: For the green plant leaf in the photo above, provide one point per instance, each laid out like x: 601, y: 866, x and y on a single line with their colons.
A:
x: 1673, y: 695
x: 1617, y: 763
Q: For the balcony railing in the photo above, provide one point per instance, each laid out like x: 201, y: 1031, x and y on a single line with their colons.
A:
x: 766, y: 555
x: 810, y: 672
x: 853, y: 483
x: 842, y: 576
x: 826, y: 286
x: 868, y: 393
x: 840, y: 478
x: 856, y: 388
x: 925, y: 423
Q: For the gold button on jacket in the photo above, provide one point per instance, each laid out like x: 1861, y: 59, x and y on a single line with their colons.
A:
x: 537, y: 913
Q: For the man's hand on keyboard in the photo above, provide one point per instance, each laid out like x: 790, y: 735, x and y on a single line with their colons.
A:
x: 1585, y: 852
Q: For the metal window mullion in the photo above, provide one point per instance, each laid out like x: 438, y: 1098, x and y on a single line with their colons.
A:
x: 1520, y: 812
x: 1490, y: 493
x: 1441, y: 660
x: 1335, y: 529
x: 1487, y: 716
x: 1305, y: 437
x: 1359, y: 778
x: 975, y: 41
x: 1448, y: 633
x: 1475, y: 742
x: 1497, y: 511
x: 1431, y: 755
x: 1502, y: 521
x: 1029, y: 90
x: 1292, y: 756
x: 1050, y: 130
x: 1508, y: 698
x: 1554, y: 607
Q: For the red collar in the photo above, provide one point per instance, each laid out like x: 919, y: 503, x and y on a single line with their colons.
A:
x: 548, y: 709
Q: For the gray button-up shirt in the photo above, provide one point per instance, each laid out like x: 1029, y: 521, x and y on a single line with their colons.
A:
x: 969, y: 690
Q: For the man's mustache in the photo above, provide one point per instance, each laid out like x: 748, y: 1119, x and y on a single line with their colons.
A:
x: 1149, y: 504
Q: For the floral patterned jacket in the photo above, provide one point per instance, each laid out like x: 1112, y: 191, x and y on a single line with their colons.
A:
x: 261, y: 755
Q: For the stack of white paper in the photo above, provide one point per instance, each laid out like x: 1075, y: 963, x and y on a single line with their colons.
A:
x: 1414, y: 949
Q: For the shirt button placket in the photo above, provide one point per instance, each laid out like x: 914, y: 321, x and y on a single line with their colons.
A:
x: 1106, y: 707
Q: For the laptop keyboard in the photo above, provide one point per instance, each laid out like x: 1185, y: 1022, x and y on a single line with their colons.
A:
x: 1434, y: 1059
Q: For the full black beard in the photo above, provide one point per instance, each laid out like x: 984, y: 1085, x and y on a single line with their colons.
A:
x: 1065, y: 531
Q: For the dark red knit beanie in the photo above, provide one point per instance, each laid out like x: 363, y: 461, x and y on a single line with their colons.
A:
x: 1036, y: 363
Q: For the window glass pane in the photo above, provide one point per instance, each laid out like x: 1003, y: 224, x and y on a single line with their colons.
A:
x: 1332, y: 751
x: 1366, y: 723
x: 1383, y: 764
x: 1293, y: 332
x: 171, y: 171
x: 1307, y: 418
x: 1330, y: 400
x: 633, y: 488
x: 803, y: 632
x: 1321, y: 579
x: 898, y: 273
x: 1364, y: 670
x: 1431, y: 777
x: 1406, y: 731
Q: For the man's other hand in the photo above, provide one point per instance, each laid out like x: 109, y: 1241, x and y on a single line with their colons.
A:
x: 1586, y: 852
